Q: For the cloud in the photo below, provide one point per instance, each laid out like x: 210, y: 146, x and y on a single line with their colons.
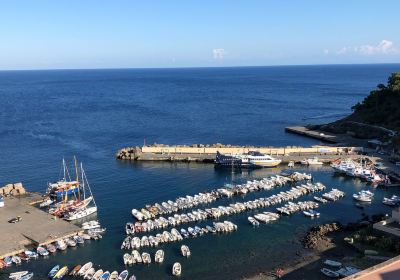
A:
x: 218, y: 53
x: 385, y: 47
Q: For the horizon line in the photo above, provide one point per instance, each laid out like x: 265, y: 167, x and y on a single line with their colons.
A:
x: 196, y: 67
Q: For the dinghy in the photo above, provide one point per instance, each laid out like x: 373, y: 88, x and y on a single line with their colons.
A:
x: 123, y: 275
x: 18, y: 274
x: 75, y: 270
x: 159, y: 256
x: 330, y: 273
x: 89, y: 274
x: 105, y: 275
x: 85, y: 268
x: 333, y: 263
x: 185, y: 251
x: 97, y: 275
x: 53, y: 271
x: 61, y: 273
x: 113, y: 275
x: 176, y: 269
x: 42, y: 251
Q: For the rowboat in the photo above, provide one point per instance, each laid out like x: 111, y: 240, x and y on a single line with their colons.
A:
x: 42, y: 251
x: 75, y: 270
x: 18, y: 274
x: 113, y: 275
x: 97, y: 275
x: 123, y: 275
x: 61, y: 273
x: 53, y: 271
x: 176, y: 269
x: 85, y: 268
x: 105, y: 275
x: 159, y: 256
x: 89, y: 274
x: 330, y: 273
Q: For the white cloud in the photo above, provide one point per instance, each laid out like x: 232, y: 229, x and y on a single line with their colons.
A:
x: 326, y: 51
x: 383, y: 48
x: 218, y: 53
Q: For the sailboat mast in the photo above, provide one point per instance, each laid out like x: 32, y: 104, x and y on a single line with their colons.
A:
x: 77, y: 179
x: 83, y: 183
x: 64, y: 169
x: 90, y: 191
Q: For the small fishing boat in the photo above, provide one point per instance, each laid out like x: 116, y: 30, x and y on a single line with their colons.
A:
x: 85, y: 268
x: 61, y: 273
x: 42, y: 251
x: 176, y: 269
x: 159, y: 256
x: 311, y: 161
x: 8, y: 260
x: 127, y: 259
x: 97, y: 275
x: 105, y: 275
x: 51, y: 248
x: 347, y: 271
x: 60, y: 245
x: 26, y: 277
x: 16, y: 259
x: 46, y: 203
x: 31, y: 254
x: 113, y: 275
x: 79, y: 239
x: 311, y: 213
x: 123, y: 275
x: 333, y: 263
x: 146, y: 258
x: 89, y: 274
x: 53, y: 271
x: 253, y: 221
x: 133, y: 277
x: 185, y: 251
x: 70, y: 242
x: 330, y: 273
x: 18, y: 274
x: 75, y: 270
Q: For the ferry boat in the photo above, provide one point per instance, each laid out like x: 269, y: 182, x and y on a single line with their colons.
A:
x: 250, y: 159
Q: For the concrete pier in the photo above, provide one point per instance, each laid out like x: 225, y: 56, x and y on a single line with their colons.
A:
x: 36, y: 227
x: 207, y: 153
x: 302, y: 130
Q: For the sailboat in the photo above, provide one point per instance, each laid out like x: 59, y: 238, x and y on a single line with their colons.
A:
x: 82, y: 208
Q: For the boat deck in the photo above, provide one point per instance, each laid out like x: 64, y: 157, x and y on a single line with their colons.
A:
x: 36, y: 227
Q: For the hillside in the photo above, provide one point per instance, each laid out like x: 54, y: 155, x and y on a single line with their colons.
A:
x: 377, y: 116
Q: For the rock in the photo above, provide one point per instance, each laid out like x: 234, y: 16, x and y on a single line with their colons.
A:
x: 316, y: 234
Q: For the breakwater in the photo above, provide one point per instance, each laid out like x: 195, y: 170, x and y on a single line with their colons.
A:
x: 206, y: 153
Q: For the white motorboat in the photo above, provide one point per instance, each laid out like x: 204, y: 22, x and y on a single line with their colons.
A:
x: 330, y: 273
x: 85, y: 268
x: 89, y: 273
x: 60, y: 245
x: 146, y: 258
x: 311, y: 213
x: 18, y: 274
x: 46, y: 203
x: 176, y: 269
x: 311, y: 161
x: 185, y: 251
x: 97, y: 275
x: 253, y: 221
x: 82, y: 213
x: 159, y: 256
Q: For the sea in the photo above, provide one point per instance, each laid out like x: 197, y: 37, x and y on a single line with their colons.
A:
x: 46, y: 116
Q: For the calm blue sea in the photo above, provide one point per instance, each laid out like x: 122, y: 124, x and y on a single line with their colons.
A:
x: 48, y: 115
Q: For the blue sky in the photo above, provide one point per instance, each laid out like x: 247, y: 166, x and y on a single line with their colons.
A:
x: 188, y: 33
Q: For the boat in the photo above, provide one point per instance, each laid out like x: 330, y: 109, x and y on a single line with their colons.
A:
x: 311, y: 161
x: 250, y: 159
x: 31, y: 254
x: 105, y: 275
x: 362, y: 197
x: 51, y: 248
x: 253, y: 221
x: 26, y: 277
x: 60, y: 245
x: 61, y: 273
x: 176, y: 269
x: 85, y: 268
x: 42, y: 251
x: 185, y: 251
x: 70, y: 242
x: 123, y: 275
x: 8, y: 260
x: 133, y: 277
x: 333, y: 263
x: 330, y: 273
x: 159, y: 256
x: 46, y: 203
x: 146, y: 258
x: 97, y: 274
x: 16, y: 259
x: 1, y: 201
x: 89, y: 274
x: 53, y: 271
x: 311, y: 213
x: 82, y: 213
x: 113, y: 275
x: 18, y: 274
x: 75, y: 270
x: 347, y: 271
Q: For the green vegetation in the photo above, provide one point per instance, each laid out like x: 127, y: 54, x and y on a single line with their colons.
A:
x: 382, y: 106
x: 367, y: 237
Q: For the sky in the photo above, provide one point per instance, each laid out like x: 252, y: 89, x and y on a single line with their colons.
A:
x: 48, y: 34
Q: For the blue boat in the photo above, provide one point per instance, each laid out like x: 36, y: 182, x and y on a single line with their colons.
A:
x: 53, y: 271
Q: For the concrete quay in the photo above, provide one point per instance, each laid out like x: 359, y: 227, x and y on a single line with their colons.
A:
x: 207, y: 153
x: 35, y: 228
x: 302, y: 130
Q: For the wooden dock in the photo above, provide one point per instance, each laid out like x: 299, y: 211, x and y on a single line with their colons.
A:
x: 36, y: 227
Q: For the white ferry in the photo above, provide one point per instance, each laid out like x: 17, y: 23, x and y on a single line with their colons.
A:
x: 250, y: 159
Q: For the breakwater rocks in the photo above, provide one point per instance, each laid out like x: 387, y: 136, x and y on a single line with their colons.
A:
x: 129, y: 153
x: 12, y: 190
x: 318, y: 234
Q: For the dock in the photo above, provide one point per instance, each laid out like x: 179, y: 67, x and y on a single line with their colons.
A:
x: 207, y: 153
x: 323, y: 136
x: 35, y: 228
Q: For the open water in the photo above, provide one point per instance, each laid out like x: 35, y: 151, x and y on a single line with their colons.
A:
x: 48, y: 115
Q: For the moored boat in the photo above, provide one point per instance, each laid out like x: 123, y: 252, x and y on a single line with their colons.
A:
x: 330, y: 273
x: 185, y: 251
x: 159, y: 256
x: 53, y: 271
x: 123, y: 275
x: 176, y: 269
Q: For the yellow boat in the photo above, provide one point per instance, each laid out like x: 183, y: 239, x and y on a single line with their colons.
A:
x: 61, y: 273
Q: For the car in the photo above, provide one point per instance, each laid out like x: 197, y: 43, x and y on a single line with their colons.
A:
x: 15, y: 220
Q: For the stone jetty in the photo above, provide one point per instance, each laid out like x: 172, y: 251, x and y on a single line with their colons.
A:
x: 207, y: 153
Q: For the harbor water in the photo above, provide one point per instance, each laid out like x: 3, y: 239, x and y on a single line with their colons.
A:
x: 48, y: 115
